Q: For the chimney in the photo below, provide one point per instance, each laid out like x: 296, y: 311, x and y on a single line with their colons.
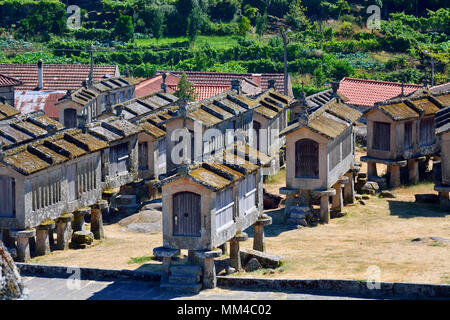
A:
x: 236, y: 85
x: 163, y: 84
x: 271, y: 84
x: 40, y: 76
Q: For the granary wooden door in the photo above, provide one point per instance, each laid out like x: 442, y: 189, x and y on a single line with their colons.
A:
x: 306, y: 158
x: 70, y: 118
x: 7, y: 197
x: 187, y: 214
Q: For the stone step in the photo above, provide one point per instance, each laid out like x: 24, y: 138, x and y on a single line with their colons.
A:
x: 183, y: 278
x: 182, y: 288
x: 190, y: 270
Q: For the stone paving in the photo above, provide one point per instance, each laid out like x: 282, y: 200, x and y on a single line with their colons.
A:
x: 70, y: 289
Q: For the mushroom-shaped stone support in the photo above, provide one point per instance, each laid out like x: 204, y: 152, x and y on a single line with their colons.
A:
x: 63, y: 231
x: 324, y: 203
x: 258, y: 237
x: 23, y: 243
x: 78, y: 219
x: 166, y: 254
x: 42, y: 241
x: 235, y: 256
x: 209, y: 269
x: 97, y: 220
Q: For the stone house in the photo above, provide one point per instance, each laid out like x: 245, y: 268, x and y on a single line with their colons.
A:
x: 95, y: 100
x: 209, y: 203
x: 401, y: 134
x: 320, y: 151
x: 442, y: 169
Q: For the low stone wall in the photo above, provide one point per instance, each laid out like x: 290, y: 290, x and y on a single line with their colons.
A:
x: 388, y: 290
x: 86, y: 273
x: 340, y: 287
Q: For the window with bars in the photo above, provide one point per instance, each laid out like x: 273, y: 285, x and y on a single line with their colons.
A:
x: 426, y: 131
x: 87, y: 175
x: 306, y: 158
x: 224, y: 208
x: 46, y: 190
x: 408, y: 135
x: 347, y: 145
x: 382, y: 136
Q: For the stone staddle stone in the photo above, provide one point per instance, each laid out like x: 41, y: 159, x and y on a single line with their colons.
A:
x: 264, y: 220
x: 23, y: 233
x: 65, y: 217
x: 165, y: 252
x: 242, y: 236
x: 47, y: 225
x: 209, y: 254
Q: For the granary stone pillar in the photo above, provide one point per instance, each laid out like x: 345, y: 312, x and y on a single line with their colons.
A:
x: 372, y: 169
x: 337, y: 203
x: 110, y: 196
x: 193, y: 258
x: 78, y: 219
x: 235, y: 253
x: 394, y: 176
x: 42, y: 239
x: 97, y: 219
x: 444, y: 199
x: 51, y: 238
x: 413, y: 171
x: 349, y: 188
x: 258, y: 236
x: 9, y: 241
x: 324, y: 196
x: 224, y: 248
x: 166, y: 254
x: 209, y: 268
x: 23, y: 244
x: 63, y: 231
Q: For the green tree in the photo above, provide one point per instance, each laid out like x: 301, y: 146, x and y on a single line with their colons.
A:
x: 336, y: 8
x: 124, y: 28
x: 296, y: 17
x: 157, y: 24
x: 185, y: 89
x: 261, y: 24
x: 243, y: 25
x: 195, y: 22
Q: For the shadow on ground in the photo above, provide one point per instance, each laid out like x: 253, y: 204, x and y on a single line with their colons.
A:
x: 408, y: 210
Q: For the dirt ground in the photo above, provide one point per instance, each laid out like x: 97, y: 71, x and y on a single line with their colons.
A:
x: 378, y: 234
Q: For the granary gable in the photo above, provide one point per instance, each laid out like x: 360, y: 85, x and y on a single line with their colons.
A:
x: 330, y: 120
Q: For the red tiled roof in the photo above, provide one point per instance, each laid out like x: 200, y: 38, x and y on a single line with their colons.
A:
x: 366, y: 93
x: 224, y: 79
x: 29, y: 101
x: 203, y: 89
x: 56, y: 76
x: 6, y: 81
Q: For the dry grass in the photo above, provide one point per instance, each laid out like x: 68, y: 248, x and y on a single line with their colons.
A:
x: 379, y: 234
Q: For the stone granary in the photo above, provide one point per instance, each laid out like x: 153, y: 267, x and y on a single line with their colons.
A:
x: 270, y: 117
x: 401, y: 134
x: 95, y: 100
x: 320, y: 152
x: 207, y: 204
x: 7, y: 111
x: 442, y: 169
x: 62, y: 171
x: 217, y: 116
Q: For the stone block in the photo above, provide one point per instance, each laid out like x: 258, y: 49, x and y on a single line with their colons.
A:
x: 252, y: 265
x: 265, y: 259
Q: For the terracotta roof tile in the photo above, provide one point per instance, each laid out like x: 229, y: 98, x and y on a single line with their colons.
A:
x: 6, y: 81
x: 56, y: 76
x: 366, y: 93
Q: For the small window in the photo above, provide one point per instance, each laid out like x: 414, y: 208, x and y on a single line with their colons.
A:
x: 307, y: 158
